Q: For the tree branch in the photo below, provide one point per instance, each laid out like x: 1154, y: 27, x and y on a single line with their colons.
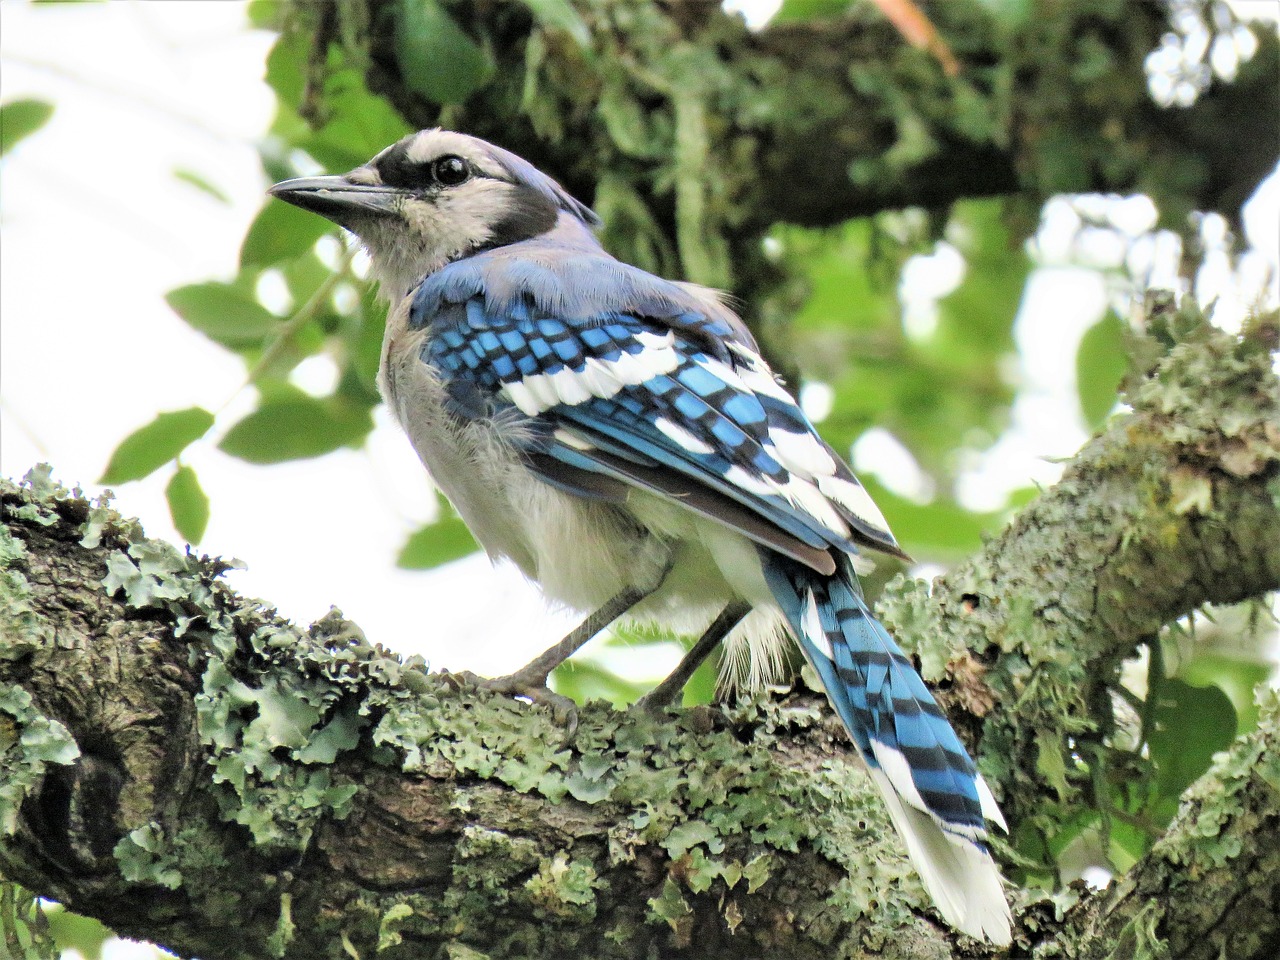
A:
x: 708, y: 130
x: 182, y: 764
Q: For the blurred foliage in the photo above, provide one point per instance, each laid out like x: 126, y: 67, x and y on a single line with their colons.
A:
x: 21, y: 118
x: 32, y: 929
x: 942, y: 385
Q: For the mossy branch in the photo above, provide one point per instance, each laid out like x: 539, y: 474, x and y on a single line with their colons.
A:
x: 179, y: 762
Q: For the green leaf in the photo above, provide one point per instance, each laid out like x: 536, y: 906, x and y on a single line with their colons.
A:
x: 188, y: 504
x: 266, y: 14
x: 701, y: 687
x: 360, y: 123
x: 1237, y: 678
x: 1101, y: 362
x: 21, y: 118
x: 1008, y: 13
x: 1191, y: 724
x: 290, y: 425
x: 286, y: 66
x: 223, y: 313
x: 437, y: 58
x: 810, y: 9
x: 201, y: 184
x: 70, y: 931
x: 280, y: 232
x: 437, y: 543
x: 151, y: 447
x: 583, y: 681
x: 560, y: 15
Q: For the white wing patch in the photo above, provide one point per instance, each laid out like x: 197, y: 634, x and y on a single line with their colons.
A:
x: 750, y: 483
x: 758, y: 377
x: 854, y: 498
x: 601, y: 378
x: 802, y: 453
x: 803, y: 495
x: 572, y: 440
x: 682, y: 437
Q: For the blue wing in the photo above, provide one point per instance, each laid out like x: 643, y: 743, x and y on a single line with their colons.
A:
x: 667, y: 395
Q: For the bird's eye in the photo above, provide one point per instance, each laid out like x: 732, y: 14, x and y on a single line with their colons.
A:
x: 450, y: 171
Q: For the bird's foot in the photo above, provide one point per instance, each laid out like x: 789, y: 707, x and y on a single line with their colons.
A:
x: 531, y: 685
x: 662, y: 697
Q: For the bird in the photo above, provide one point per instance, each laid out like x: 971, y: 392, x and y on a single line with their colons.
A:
x: 619, y: 437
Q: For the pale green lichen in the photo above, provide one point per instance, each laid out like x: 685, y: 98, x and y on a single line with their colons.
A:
x: 705, y: 798
x: 21, y: 629
x: 1138, y: 940
x: 253, y: 732
x: 283, y: 934
x: 1203, y: 843
x: 669, y: 906
x: 564, y: 889
x: 29, y: 741
x: 388, y: 934
x: 145, y: 857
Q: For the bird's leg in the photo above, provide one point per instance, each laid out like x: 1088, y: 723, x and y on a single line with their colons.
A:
x: 534, y: 673
x: 531, y: 679
x: 665, y: 693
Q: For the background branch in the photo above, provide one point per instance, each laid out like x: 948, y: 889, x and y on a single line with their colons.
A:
x: 818, y: 120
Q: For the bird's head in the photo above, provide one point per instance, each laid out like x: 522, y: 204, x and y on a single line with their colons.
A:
x: 434, y: 197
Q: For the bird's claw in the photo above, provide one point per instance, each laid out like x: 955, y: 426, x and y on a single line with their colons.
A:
x: 659, y: 700
x: 563, y: 710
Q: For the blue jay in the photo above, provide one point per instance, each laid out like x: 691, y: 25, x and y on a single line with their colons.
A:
x: 619, y: 438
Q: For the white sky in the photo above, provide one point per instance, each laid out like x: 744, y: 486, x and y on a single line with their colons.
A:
x: 96, y: 229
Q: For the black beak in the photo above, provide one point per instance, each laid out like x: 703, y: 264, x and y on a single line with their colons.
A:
x: 338, y: 199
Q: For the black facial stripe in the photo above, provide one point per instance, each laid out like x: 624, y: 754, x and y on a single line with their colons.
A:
x: 397, y: 170
x: 529, y: 215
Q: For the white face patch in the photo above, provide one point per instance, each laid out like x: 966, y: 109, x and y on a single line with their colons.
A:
x: 366, y: 176
x: 430, y: 145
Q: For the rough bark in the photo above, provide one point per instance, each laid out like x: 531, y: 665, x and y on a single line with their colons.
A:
x: 179, y: 762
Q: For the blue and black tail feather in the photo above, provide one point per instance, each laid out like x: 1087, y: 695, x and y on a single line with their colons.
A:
x: 935, y: 796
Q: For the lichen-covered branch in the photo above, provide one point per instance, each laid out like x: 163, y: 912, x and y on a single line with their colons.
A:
x: 191, y: 770
x: 179, y: 762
